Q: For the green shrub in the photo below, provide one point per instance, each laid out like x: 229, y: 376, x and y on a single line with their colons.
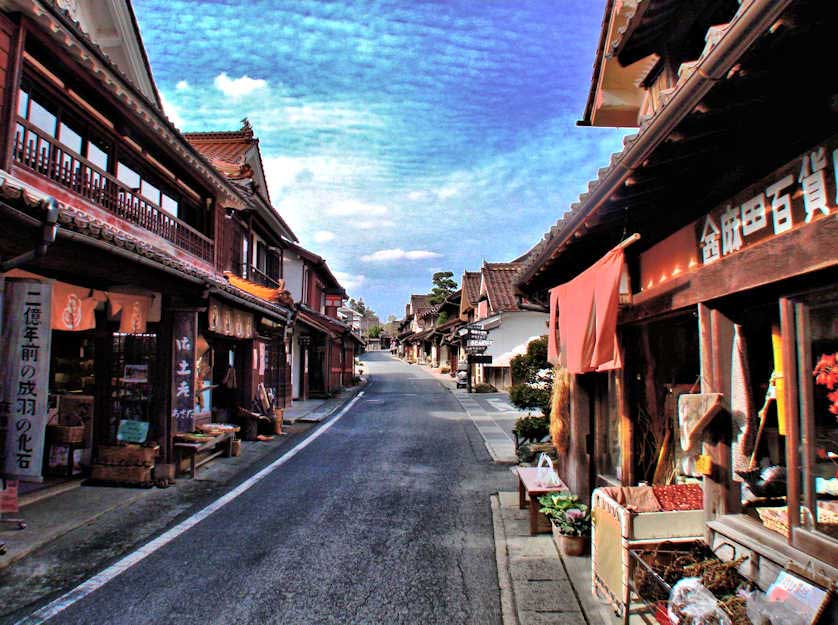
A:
x: 484, y: 387
x: 532, y: 427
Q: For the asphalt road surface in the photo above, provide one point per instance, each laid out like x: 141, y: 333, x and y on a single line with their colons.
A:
x: 383, y: 519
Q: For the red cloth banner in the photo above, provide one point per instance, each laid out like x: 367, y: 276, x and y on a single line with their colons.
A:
x: 587, y: 316
x: 553, y: 355
x: 8, y: 496
x: 133, y: 311
x: 73, y: 309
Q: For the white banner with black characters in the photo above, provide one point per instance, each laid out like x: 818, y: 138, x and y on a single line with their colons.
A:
x: 25, y: 359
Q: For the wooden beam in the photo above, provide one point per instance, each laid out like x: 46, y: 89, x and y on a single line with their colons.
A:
x: 812, y: 247
x: 792, y: 413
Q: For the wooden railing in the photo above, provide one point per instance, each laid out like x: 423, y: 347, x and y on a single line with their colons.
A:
x: 258, y: 276
x: 44, y: 155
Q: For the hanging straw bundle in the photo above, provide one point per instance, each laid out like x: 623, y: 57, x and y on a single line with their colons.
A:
x: 560, y: 409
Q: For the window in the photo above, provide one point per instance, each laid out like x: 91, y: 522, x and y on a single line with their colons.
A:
x: 41, y: 117
x: 70, y: 138
x: 23, y: 103
x: 127, y: 176
x: 169, y: 204
x: 245, y: 254
x: 97, y: 154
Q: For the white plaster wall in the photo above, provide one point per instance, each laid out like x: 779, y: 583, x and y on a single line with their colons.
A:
x: 516, y: 328
x: 295, y: 366
x: 292, y: 268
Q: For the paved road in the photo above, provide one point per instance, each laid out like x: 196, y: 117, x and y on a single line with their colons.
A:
x: 383, y: 519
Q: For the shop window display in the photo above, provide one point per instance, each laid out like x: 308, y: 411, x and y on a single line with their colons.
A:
x: 132, y: 376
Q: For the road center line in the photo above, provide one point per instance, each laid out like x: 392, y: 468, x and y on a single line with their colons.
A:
x: 100, y: 579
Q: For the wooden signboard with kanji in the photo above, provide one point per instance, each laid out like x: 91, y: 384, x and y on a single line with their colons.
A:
x: 184, y: 335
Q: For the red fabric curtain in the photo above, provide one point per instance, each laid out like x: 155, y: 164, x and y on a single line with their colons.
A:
x: 586, y: 310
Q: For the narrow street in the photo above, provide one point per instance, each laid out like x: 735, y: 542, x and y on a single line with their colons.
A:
x: 384, y: 518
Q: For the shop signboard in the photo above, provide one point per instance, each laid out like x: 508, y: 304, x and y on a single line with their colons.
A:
x: 334, y: 300
x: 183, y: 370
x: 229, y: 321
x: 480, y: 359
x: 131, y: 431
x: 801, y: 192
x: 25, y: 385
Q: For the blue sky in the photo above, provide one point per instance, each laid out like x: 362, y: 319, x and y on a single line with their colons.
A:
x: 400, y: 138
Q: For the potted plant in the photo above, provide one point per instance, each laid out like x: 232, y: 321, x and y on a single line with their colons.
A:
x: 571, y: 521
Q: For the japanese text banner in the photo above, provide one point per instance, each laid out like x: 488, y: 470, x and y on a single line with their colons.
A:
x: 25, y: 362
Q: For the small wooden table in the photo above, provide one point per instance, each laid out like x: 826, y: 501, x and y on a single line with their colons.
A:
x: 528, y: 484
x: 193, y: 449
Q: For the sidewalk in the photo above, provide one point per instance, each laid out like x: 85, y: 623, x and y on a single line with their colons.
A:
x: 77, y: 505
x: 538, y: 586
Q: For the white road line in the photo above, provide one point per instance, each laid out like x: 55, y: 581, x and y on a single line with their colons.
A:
x: 97, y: 581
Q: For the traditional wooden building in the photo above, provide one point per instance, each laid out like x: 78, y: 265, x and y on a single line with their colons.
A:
x: 323, y: 347
x: 107, y: 314
x: 729, y: 291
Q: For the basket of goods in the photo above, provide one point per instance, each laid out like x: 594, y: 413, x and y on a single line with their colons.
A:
x: 65, y: 434
x: 194, y: 437
x: 661, y: 567
x: 217, y: 428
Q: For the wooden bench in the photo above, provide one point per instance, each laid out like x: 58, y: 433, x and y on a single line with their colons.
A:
x: 225, y: 440
x: 529, y: 485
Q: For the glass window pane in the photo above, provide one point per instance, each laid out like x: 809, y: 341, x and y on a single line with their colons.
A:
x: 70, y: 138
x: 823, y: 474
x: 169, y: 204
x: 150, y: 192
x: 22, y: 102
x: 97, y: 155
x: 41, y: 117
x: 127, y: 176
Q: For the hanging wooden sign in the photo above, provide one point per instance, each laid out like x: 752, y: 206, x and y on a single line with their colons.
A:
x: 229, y: 321
x: 25, y: 361
x: 184, y: 335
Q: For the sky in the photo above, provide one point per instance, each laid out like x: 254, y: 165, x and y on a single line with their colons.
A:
x: 399, y: 138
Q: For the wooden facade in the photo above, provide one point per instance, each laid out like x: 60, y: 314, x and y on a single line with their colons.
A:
x: 730, y: 183
x: 142, y: 222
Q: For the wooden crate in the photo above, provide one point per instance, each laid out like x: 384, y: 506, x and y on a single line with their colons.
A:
x: 126, y: 455
x: 121, y: 474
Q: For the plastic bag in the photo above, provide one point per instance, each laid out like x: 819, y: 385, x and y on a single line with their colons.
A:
x: 690, y: 603
x: 762, y: 611
x: 546, y: 476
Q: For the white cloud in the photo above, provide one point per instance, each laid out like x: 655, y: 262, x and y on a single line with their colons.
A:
x: 415, y: 196
x: 370, y: 224
x: 171, y: 111
x: 348, y: 208
x: 237, y: 87
x: 350, y: 281
x: 182, y: 85
x: 321, y: 236
x: 447, y: 192
x: 398, y: 254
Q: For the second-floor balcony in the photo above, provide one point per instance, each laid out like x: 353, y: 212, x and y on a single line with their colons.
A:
x: 43, y: 154
x: 254, y: 274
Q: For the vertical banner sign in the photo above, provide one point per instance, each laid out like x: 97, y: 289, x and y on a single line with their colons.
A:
x: 26, y: 355
x: 183, y: 370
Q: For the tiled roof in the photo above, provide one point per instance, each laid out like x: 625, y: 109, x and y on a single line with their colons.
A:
x: 420, y: 303
x: 471, y: 287
x: 499, y: 281
x: 225, y: 150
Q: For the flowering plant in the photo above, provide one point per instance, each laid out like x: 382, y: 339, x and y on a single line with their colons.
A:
x: 826, y: 374
x: 567, y: 513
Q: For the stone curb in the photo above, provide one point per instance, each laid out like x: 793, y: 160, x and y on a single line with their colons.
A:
x: 509, y: 613
x: 310, y: 417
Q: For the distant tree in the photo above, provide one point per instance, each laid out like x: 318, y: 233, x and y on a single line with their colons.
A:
x: 375, y: 332
x: 444, y: 285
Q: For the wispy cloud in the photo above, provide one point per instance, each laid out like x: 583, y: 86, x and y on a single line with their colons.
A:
x: 238, y: 87
x: 419, y: 127
x: 398, y: 254
x: 350, y: 281
x: 351, y: 208
x: 171, y: 110
x: 322, y: 236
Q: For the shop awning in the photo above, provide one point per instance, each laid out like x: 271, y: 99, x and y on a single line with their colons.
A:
x: 586, y: 311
